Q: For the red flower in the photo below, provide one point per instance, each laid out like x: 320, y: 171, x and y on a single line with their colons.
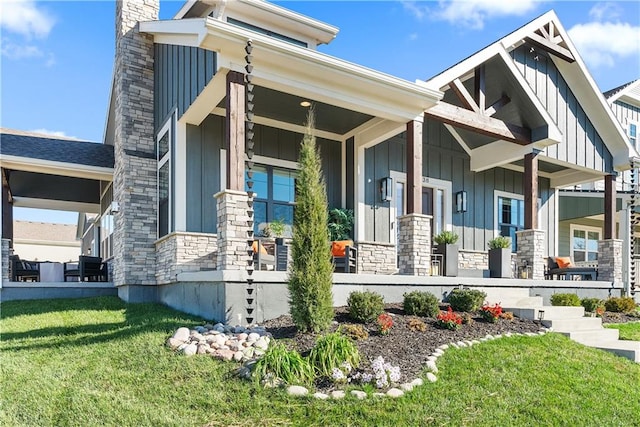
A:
x: 385, y: 322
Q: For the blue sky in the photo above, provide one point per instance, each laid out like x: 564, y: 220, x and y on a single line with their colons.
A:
x: 56, y: 56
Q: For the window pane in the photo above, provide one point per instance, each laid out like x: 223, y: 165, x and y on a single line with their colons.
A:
x: 260, y: 182
x: 284, y: 213
x: 163, y: 200
x: 399, y: 198
x: 284, y: 185
x: 592, y: 241
x: 438, y: 215
x: 593, y: 256
x: 259, y: 217
x: 578, y: 256
x: 163, y: 145
x: 579, y: 240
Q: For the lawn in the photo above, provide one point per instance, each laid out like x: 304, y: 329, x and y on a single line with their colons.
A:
x: 628, y: 331
x: 100, y: 361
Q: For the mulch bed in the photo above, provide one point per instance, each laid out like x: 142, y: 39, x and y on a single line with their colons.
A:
x: 401, y: 346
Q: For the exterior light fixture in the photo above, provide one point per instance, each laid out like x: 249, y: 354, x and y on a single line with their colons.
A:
x: 305, y: 104
x: 386, y: 189
x: 541, y: 315
x: 461, y: 201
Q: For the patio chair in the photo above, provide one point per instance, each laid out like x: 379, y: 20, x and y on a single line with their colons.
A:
x: 88, y: 268
x: 344, y: 256
x: 24, y: 271
x: 262, y: 259
x: 564, y: 268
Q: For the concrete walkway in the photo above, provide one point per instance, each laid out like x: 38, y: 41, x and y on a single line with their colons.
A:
x: 569, y: 321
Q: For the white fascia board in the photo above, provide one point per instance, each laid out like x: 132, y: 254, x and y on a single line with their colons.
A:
x: 630, y: 92
x: 574, y: 177
x: 283, y: 66
x: 56, y: 205
x: 184, y: 9
x: 376, y: 131
x: 207, y: 100
x: 110, y: 108
x: 73, y: 170
x: 462, y: 68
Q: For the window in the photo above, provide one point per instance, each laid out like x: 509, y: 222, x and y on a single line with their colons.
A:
x: 633, y: 134
x: 274, y: 198
x: 510, y: 218
x: 584, y: 243
x: 163, y: 149
x: 106, y: 224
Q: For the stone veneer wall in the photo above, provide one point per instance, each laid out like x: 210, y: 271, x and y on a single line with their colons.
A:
x: 233, y: 230
x: 473, y: 260
x: 134, y: 179
x: 414, y: 249
x: 376, y: 258
x: 531, y: 248
x: 610, y: 260
x: 5, y: 260
x: 181, y: 252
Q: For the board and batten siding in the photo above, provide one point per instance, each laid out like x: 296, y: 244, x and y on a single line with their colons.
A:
x: 180, y: 74
x: 444, y: 159
x: 204, y: 143
x: 581, y: 144
x: 625, y: 113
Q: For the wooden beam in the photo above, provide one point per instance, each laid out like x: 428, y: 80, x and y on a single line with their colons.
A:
x: 550, y: 47
x: 479, y: 88
x: 479, y: 123
x: 609, y: 207
x: 530, y: 191
x: 414, y: 167
x: 464, y: 96
x: 7, y: 209
x: 544, y: 33
x: 235, y: 130
x: 493, y: 108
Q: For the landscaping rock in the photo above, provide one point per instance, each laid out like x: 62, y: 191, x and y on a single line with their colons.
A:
x: 224, y: 354
x: 430, y: 365
x: 417, y: 382
x: 337, y: 394
x: 202, y: 349
x: 395, y: 392
x: 359, y: 394
x: 376, y: 394
x: 432, y: 378
x: 253, y: 336
x: 174, y: 343
x: 296, y: 390
x: 238, y: 356
x: 321, y: 396
x: 406, y: 387
x: 190, y: 350
x: 182, y: 334
x: 432, y: 358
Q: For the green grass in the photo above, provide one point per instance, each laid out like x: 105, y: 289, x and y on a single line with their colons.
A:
x: 628, y: 331
x: 101, y: 362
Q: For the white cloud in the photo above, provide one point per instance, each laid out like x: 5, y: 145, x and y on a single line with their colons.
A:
x: 25, y: 18
x: 55, y: 133
x: 471, y: 13
x: 15, y: 51
x: 601, y: 43
x: 413, y: 36
x: 605, y: 11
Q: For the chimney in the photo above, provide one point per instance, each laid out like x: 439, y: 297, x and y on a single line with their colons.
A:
x: 134, y: 180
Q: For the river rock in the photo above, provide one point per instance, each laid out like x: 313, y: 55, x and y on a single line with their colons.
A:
x: 320, y: 396
x: 395, y: 392
x: 238, y: 356
x: 359, y: 394
x: 182, y: 334
x: 297, y: 390
x: 432, y: 366
x: 253, y: 336
x: 202, y: 349
x: 173, y: 343
x: 190, y: 350
x: 337, y: 394
x: 432, y: 378
x: 224, y: 354
x: 417, y: 382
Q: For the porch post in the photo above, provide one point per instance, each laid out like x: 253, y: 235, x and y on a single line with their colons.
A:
x: 414, y: 247
x: 531, y: 241
x: 235, y: 132
x: 7, y: 209
x: 5, y: 261
x: 610, y: 249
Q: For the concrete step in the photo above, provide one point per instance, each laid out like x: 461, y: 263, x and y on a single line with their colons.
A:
x: 550, y: 313
x: 504, y: 296
x: 591, y: 337
x: 573, y: 324
x: 628, y: 349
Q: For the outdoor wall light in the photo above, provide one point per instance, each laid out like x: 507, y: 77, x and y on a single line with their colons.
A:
x: 461, y: 201
x: 386, y: 189
x: 305, y: 104
x: 115, y: 207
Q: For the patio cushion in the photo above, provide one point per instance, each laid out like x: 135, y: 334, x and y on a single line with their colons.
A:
x: 564, y: 262
x: 263, y: 250
x: 338, y: 247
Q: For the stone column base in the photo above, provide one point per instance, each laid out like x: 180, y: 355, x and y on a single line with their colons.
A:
x: 179, y: 252
x: 5, y: 260
x: 233, y: 230
x: 376, y: 258
x: 610, y: 260
x: 414, y: 248
x: 531, y: 250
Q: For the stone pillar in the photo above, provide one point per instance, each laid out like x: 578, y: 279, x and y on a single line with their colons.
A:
x: 4, y: 261
x: 233, y: 229
x: 414, y: 248
x: 610, y: 260
x: 531, y: 249
x: 376, y: 258
x: 134, y: 179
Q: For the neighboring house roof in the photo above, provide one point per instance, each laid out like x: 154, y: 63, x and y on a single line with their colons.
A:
x: 51, y: 148
x: 573, y: 70
x: 629, y: 92
x: 44, y: 231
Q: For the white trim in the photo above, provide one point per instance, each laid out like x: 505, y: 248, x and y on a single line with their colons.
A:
x: 56, y: 205
x: 51, y: 167
x: 272, y: 161
x: 343, y: 173
x: 166, y: 129
x: 458, y: 138
x: 359, y: 226
x: 556, y: 216
x: 586, y: 229
x: 223, y: 169
x: 180, y: 174
x: 497, y: 194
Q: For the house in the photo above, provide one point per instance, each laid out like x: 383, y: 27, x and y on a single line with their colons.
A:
x: 212, y: 103
x: 581, y: 209
x: 42, y: 241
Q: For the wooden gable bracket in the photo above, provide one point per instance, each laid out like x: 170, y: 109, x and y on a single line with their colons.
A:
x: 545, y: 38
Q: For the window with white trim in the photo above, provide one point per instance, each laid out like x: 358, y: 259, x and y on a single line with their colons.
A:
x: 632, y: 132
x: 510, y: 217
x: 584, y: 243
x: 106, y: 224
x: 274, y: 199
x: 163, y: 150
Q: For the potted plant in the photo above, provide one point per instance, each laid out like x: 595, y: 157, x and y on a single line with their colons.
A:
x: 446, y: 246
x: 340, y: 224
x: 276, y: 228
x: 500, y: 257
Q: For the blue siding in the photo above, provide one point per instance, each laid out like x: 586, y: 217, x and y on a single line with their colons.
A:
x: 180, y: 74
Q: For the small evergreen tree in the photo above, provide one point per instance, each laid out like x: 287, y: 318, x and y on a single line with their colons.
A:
x: 310, y: 275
